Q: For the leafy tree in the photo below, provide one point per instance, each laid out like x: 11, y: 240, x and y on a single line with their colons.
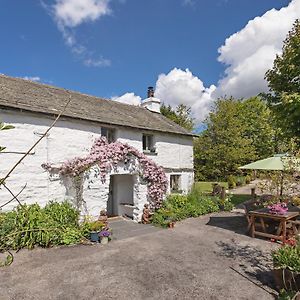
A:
x: 237, y: 133
x: 284, y: 83
x: 180, y: 115
x: 259, y: 126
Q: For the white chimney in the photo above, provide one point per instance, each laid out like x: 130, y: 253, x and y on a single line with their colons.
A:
x: 151, y: 103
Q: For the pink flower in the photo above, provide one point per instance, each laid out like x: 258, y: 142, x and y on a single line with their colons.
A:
x: 107, y: 156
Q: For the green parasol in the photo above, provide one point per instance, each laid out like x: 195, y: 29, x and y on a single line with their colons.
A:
x: 278, y: 162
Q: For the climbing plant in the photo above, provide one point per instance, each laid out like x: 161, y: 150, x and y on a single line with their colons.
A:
x: 107, y: 156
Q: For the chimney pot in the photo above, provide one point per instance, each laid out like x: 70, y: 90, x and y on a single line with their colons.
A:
x: 150, y: 92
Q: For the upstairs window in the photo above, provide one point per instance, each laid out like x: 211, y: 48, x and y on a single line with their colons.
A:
x: 109, y: 133
x: 148, y: 143
x: 175, y: 184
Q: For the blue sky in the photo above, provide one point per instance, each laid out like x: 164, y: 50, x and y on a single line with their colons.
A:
x: 110, y: 48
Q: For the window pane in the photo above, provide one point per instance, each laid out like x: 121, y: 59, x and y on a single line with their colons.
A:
x: 144, y: 142
x: 175, y: 183
x: 109, y: 133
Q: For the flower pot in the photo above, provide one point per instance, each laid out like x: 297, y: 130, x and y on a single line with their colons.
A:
x: 171, y: 224
x: 104, y: 240
x: 94, y: 236
x: 285, y: 279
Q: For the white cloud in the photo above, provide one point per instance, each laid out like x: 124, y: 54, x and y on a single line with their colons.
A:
x: 250, y: 52
x: 71, y: 13
x: 188, y: 2
x: 128, y: 98
x: 181, y: 86
x: 101, y: 62
x: 32, y: 78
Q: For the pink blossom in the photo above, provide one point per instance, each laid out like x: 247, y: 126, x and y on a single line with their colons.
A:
x: 107, y: 156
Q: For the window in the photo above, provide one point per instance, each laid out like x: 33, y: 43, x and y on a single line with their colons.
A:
x: 175, y: 184
x: 109, y: 133
x: 148, y: 144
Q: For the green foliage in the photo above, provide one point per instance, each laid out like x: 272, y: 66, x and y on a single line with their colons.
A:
x: 179, y: 207
x: 287, y: 295
x: 207, y: 186
x: 96, y: 226
x: 71, y: 236
x: 231, y: 182
x: 287, y: 257
x: 284, y: 83
x: 238, y: 132
x: 181, y: 115
x: 247, y: 179
x: 30, y: 225
x: 62, y: 213
x: 240, y: 180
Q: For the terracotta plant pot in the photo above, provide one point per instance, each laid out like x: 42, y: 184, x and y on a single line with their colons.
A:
x: 171, y: 224
x: 285, y: 279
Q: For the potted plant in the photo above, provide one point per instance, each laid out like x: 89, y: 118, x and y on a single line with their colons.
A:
x: 104, y: 235
x: 286, y: 262
x: 95, y: 229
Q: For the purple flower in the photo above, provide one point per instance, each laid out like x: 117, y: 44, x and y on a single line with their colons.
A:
x: 104, y: 233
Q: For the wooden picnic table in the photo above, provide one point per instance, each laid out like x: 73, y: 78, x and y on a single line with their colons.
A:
x: 264, y: 217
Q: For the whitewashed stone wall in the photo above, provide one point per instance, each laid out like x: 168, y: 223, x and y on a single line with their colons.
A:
x: 70, y: 138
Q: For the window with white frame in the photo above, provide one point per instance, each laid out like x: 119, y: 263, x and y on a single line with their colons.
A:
x: 109, y: 133
x: 175, y: 184
x: 148, y: 143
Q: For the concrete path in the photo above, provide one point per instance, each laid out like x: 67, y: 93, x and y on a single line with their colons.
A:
x: 124, y: 229
x: 246, y: 189
x: 203, y: 258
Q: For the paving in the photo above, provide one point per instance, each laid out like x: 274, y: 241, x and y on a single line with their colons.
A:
x: 124, y: 228
x: 246, y: 189
x: 209, y: 257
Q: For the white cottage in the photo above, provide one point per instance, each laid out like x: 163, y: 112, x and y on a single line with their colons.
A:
x: 31, y: 107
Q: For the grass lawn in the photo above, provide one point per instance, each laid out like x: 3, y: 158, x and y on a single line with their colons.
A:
x: 206, y: 186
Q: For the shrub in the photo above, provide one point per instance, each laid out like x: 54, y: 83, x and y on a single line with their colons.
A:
x: 179, y: 207
x: 240, y: 180
x: 62, y: 213
x: 247, y: 179
x: 30, y: 225
x: 231, y: 182
x: 287, y: 257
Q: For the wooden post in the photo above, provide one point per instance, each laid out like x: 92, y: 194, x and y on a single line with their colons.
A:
x: 223, y: 193
x: 253, y: 195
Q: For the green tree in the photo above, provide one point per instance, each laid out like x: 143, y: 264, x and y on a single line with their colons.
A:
x: 238, y: 132
x: 180, y: 115
x: 284, y: 83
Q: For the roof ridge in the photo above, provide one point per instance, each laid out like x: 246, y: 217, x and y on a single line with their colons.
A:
x: 20, y: 93
x: 67, y: 90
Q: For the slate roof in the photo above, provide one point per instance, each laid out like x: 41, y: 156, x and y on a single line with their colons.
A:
x: 36, y: 97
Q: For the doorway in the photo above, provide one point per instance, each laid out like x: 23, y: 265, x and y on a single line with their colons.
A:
x: 120, y: 199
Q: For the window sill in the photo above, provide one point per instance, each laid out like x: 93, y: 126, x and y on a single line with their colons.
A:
x: 149, y: 153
